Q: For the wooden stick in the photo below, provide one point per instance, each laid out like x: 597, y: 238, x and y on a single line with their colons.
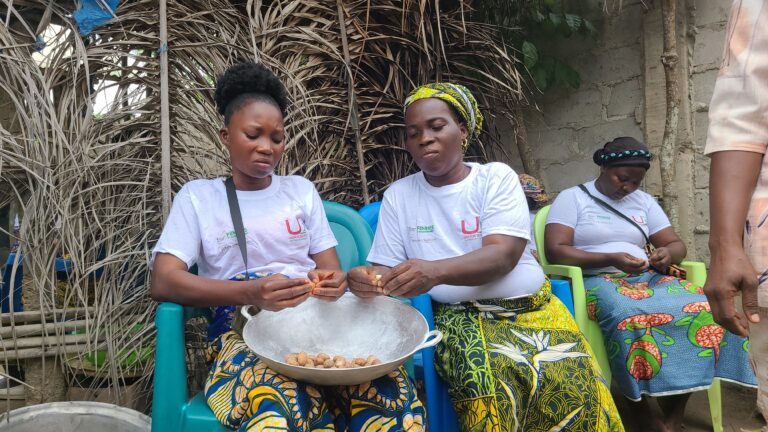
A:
x: 35, y: 316
x: 48, y: 341
x: 165, y: 124
x: 36, y: 329
x: 43, y: 352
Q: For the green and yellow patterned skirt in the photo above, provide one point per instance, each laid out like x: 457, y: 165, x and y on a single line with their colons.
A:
x: 521, y: 365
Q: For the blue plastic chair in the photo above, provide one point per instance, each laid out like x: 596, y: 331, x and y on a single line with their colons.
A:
x: 370, y: 212
x: 171, y: 409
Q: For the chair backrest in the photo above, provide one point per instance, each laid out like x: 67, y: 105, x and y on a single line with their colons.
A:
x: 370, y: 212
x: 539, y: 223
x: 352, y: 232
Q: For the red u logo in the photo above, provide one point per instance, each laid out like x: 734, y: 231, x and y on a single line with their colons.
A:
x: 464, y: 226
x: 639, y: 219
x: 291, y: 230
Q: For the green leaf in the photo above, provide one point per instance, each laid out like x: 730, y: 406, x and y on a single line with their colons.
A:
x: 540, y: 78
x: 684, y: 321
x: 573, y: 21
x: 706, y: 353
x: 589, y: 28
x: 530, y: 55
x: 555, y: 19
x: 537, y: 16
x: 567, y: 76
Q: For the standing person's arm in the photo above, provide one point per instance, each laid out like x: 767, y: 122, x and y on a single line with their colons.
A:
x: 737, y: 140
x: 733, y: 176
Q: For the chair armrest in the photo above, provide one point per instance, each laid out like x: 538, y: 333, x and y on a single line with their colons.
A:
x: 577, y: 290
x: 589, y: 328
x: 170, y: 381
x: 697, y: 272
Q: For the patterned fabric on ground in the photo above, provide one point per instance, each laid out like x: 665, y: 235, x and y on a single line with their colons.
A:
x: 521, y: 365
x: 246, y: 395
x: 660, y: 335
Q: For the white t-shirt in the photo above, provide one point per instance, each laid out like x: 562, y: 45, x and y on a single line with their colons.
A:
x: 532, y: 241
x: 599, y: 230
x: 420, y: 221
x: 284, y: 224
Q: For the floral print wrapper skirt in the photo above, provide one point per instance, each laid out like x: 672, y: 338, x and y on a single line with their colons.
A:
x: 521, y: 365
x: 661, y: 337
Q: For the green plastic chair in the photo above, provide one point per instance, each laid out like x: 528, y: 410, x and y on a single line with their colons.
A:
x: 171, y: 409
x: 697, y: 273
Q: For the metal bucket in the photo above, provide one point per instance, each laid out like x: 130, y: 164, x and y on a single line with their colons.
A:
x: 351, y: 327
x: 80, y: 416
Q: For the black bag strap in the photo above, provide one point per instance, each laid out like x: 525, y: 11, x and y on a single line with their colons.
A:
x: 237, y: 221
x: 610, y: 208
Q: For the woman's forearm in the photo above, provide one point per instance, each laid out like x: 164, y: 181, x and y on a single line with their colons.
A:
x: 479, y: 267
x: 733, y: 178
x: 180, y: 286
x: 569, y: 255
x: 677, y: 250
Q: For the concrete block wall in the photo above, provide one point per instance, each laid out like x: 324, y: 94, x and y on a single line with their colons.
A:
x: 708, y: 19
x: 572, y: 124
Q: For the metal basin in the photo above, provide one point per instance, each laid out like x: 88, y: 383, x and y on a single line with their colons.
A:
x: 78, y: 416
x: 351, y: 327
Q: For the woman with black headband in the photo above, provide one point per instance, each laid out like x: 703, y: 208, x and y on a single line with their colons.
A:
x: 658, y: 329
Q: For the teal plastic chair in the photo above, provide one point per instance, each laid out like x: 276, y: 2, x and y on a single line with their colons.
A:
x: 171, y: 409
x: 697, y: 273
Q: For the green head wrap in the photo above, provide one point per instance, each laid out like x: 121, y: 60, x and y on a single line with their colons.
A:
x: 457, y: 96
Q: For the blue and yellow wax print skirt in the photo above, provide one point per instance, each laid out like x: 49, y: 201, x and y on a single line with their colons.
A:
x: 246, y: 395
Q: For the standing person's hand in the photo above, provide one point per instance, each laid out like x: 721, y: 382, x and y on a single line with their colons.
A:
x: 660, y: 259
x: 329, y: 285
x: 365, y: 281
x: 730, y: 272
x: 277, y: 292
x: 411, y: 278
x: 628, y: 263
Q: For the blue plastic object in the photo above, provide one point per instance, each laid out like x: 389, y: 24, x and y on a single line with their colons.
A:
x: 172, y: 410
x: 562, y: 290
x: 370, y: 213
x: 11, y: 281
x: 92, y: 14
x: 440, y: 412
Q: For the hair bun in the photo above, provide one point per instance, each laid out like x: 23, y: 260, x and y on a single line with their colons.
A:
x: 597, y: 157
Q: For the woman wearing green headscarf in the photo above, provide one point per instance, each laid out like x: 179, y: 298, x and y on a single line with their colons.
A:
x: 511, y: 353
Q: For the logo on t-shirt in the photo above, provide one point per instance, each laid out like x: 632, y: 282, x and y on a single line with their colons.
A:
x: 640, y: 220
x: 295, y: 229
x: 228, y: 239
x: 471, y: 229
x: 422, y: 233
